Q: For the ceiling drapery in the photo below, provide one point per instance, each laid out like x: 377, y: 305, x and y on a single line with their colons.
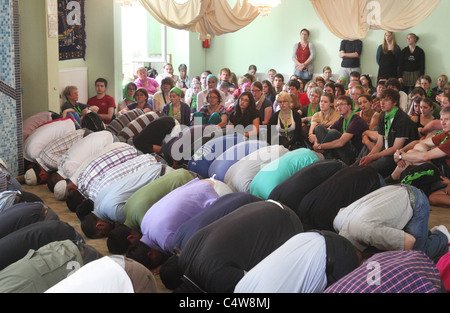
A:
x: 209, y: 18
x: 352, y: 19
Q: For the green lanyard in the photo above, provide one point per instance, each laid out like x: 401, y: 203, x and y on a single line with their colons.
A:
x: 443, y: 141
x: 177, y: 116
x: 285, y: 123
x: 387, y: 121
x: 345, y: 123
x: 311, y: 113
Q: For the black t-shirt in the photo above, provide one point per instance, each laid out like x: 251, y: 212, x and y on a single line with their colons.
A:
x: 292, y: 190
x: 350, y: 46
x: 402, y: 127
x: 319, y: 207
x: 246, y: 119
x: 154, y: 133
x: 215, y: 257
x: 356, y: 127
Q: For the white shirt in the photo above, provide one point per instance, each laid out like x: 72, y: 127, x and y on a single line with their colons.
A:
x: 104, y: 275
x: 298, y: 266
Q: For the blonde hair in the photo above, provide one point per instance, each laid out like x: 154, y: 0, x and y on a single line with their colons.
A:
x: 384, y: 45
x: 284, y: 96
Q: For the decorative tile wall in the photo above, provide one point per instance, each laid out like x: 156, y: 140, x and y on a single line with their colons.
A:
x: 11, y: 145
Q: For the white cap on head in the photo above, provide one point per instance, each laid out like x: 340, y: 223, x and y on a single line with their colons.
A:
x: 60, y: 190
x: 30, y: 177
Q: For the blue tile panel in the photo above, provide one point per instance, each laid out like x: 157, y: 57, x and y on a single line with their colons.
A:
x: 11, y: 145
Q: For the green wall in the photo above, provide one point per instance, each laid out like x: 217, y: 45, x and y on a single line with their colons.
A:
x: 268, y: 42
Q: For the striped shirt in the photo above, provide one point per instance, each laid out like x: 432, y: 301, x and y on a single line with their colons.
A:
x: 118, y: 172
x: 392, y: 272
x: 49, y: 156
x: 134, y: 127
x: 121, y: 121
x: 104, y: 163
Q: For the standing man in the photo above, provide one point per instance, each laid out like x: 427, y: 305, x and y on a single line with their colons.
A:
x: 350, y: 53
x: 104, y: 102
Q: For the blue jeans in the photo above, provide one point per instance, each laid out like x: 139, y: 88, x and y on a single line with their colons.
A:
x: 303, y: 74
x: 432, y: 244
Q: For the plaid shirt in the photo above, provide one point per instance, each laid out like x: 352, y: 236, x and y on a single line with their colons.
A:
x: 102, y: 164
x: 136, y: 126
x: 49, y: 156
x: 121, y: 121
x: 114, y: 174
x: 392, y: 272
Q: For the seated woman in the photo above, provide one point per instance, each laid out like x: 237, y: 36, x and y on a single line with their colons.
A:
x: 141, y: 96
x: 330, y: 88
x: 366, y: 82
x: 367, y: 112
x: 212, y: 112
x: 176, y: 108
x: 161, y: 98
x: 263, y: 104
x: 308, y: 111
x: 268, y: 90
x: 327, y: 115
x: 246, y: 114
x: 426, y: 114
x: 128, y: 96
x: 285, y: 125
x: 191, y: 99
x: 414, y: 110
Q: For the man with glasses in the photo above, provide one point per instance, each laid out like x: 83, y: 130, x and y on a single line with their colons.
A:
x: 343, y: 140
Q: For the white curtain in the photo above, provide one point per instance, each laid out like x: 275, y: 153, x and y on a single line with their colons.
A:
x: 352, y: 19
x: 209, y: 18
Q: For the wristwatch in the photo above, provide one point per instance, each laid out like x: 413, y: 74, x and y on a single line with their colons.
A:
x: 319, y: 146
x: 400, y: 157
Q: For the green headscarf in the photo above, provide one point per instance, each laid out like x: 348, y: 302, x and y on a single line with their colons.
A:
x: 125, y: 92
x: 177, y: 91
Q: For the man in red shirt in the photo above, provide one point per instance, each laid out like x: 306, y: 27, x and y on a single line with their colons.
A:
x: 106, y: 104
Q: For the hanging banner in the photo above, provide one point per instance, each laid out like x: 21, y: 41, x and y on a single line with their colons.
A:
x: 71, y: 29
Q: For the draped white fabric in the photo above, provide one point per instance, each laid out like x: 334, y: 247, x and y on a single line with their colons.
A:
x: 352, y: 19
x: 209, y: 18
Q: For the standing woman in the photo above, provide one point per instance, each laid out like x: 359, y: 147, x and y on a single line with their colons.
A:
x: 263, y: 105
x: 326, y: 117
x: 245, y: 114
x: 388, y: 56
x: 411, y: 63
x: 286, y: 123
x: 303, y: 56
x: 176, y: 108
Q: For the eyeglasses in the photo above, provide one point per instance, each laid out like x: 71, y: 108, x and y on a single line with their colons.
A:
x: 213, y: 97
